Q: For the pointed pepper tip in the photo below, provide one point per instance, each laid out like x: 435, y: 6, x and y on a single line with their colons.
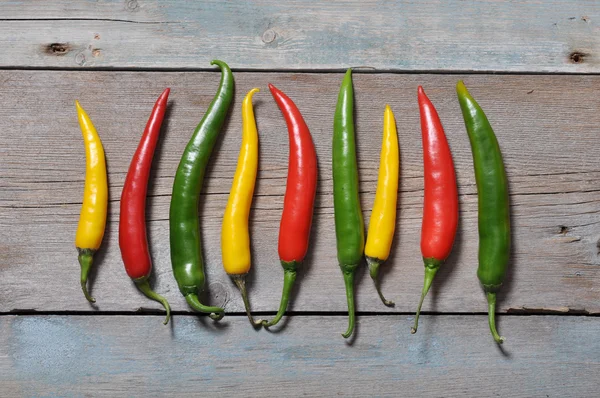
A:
x: 461, y: 89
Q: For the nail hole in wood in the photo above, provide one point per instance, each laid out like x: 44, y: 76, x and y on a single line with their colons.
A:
x: 562, y: 229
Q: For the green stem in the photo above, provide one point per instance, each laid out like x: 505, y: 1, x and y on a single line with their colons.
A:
x: 240, y: 281
x: 86, y: 258
x: 349, y: 281
x: 429, y: 275
x: 374, y: 264
x: 491, y: 298
x: 216, y: 313
x: 144, y: 286
x: 289, y: 277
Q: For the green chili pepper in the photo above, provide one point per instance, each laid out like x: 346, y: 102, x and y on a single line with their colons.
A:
x: 349, y: 224
x: 493, y: 202
x: 186, y: 247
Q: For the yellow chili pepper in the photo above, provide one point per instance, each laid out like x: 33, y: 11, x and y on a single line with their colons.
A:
x: 383, y: 216
x: 235, y: 238
x: 92, y: 218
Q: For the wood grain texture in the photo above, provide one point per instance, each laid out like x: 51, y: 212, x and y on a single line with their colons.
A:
x: 451, y: 356
x: 408, y: 35
x: 547, y: 128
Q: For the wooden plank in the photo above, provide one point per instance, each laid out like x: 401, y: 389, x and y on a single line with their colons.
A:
x: 115, y: 355
x: 547, y: 127
x: 407, y: 35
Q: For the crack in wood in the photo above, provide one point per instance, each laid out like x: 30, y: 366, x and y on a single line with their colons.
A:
x: 87, y: 19
x: 549, y: 311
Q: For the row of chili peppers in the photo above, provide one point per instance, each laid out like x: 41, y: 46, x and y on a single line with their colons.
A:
x: 440, y: 210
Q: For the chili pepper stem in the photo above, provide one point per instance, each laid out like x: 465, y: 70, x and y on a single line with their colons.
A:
x: 86, y: 258
x: 216, y: 313
x: 349, y: 281
x: 491, y: 298
x: 429, y: 275
x: 289, y: 277
x: 374, y: 264
x: 144, y: 286
x: 240, y: 281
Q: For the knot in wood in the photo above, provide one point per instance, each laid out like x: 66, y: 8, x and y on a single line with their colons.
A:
x: 269, y: 36
x: 219, y: 292
x: 132, y: 5
x: 80, y: 59
x: 577, y: 57
x: 57, y: 48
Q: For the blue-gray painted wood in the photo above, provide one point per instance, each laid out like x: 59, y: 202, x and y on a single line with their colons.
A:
x: 547, y: 127
x: 407, y: 35
x: 450, y: 356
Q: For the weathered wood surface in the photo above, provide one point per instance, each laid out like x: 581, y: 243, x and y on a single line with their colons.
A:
x: 547, y: 127
x: 451, y: 356
x: 408, y: 35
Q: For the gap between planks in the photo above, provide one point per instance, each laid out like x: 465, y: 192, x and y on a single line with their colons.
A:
x: 355, y: 69
x: 158, y: 313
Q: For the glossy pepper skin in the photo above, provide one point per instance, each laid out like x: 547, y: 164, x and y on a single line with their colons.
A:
x: 235, y: 237
x: 299, y: 200
x: 493, y: 201
x: 349, y: 224
x: 92, y: 219
x: 383, y: 216
x: 133, y: 240
x: 186, y: 248
x: 440, y: 203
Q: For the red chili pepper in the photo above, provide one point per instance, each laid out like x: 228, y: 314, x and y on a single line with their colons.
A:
x: 440, y: 205
x: 296, y: 219
x: 132, y: 223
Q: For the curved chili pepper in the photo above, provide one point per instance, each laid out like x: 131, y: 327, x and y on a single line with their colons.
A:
x: 92, y: 219
x: 493, y: 202
x: 349, y: 224
x: 235, y: 238
x: 298, y: 203
x: 133, y: 240
x: 186, y: 248
x: 440, y: 204
x: 383, y: 216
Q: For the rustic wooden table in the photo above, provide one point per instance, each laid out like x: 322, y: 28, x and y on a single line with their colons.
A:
x: 533, y: 65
